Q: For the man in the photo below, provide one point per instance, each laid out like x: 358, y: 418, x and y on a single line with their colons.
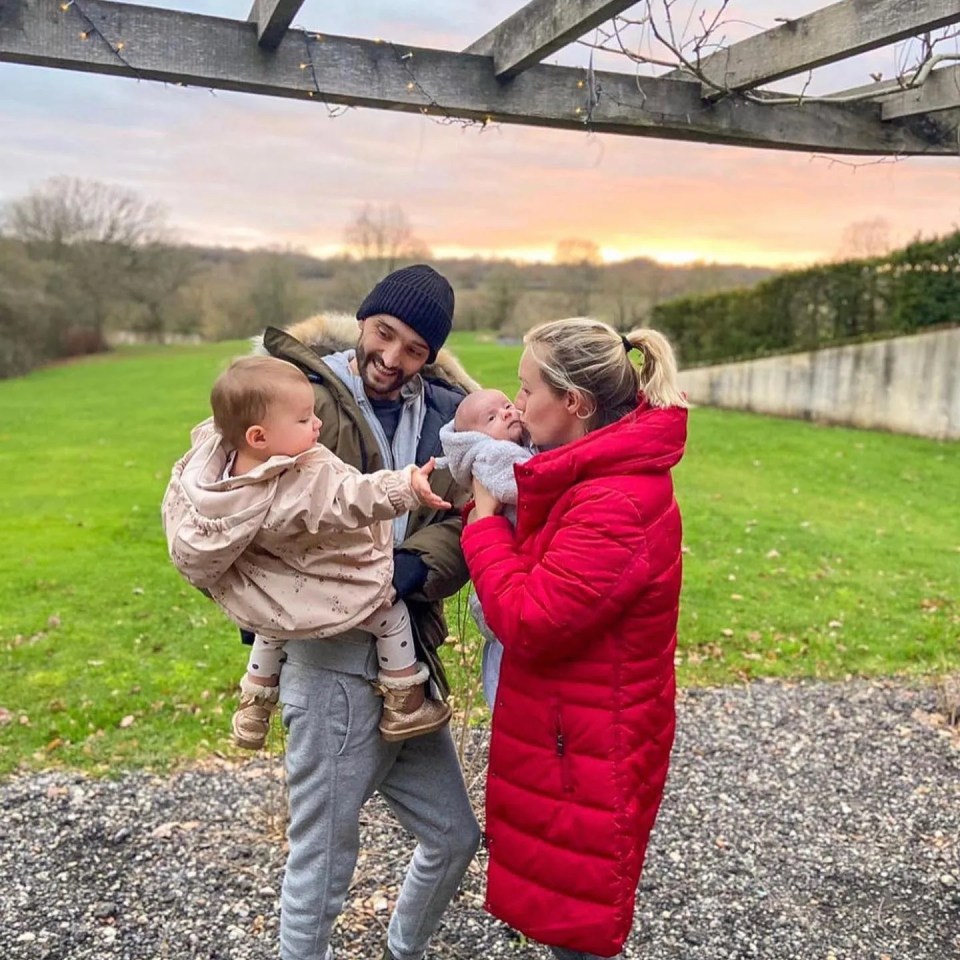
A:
x: 380, y: 408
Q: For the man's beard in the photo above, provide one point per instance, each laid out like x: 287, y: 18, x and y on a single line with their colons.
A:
x: 365, y: 363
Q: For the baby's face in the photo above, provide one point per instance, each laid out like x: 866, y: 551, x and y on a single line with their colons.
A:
x: 491, y: 412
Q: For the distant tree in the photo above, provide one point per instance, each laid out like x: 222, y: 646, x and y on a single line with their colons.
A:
x: 581, y: 262
x: 27, y: 312
x: 155, y: 286
x: 108, y: 246
x: 382, y: 235
x: 631, y: 294
x: 65, y: 211
x: 378, y: 240
x: 216, y: 303
x: 502, y: 291
x: 865, y: 239
x: 275, y: 294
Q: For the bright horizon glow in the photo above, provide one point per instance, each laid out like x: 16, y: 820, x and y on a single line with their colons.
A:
x: 716, y: 253
x: 724, y: 255
x: 732, y: 256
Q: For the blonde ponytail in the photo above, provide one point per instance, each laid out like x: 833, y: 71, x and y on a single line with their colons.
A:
x: 658, y: 373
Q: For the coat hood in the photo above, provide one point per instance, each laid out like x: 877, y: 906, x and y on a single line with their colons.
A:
x: 649, y: 440
x: 327, y: 333
x: 209, y: 521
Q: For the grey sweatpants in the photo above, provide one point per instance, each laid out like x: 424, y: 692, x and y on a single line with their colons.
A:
x: 335, y: 761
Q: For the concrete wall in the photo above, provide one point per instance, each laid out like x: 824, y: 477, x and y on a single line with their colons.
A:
x: 906, y: 385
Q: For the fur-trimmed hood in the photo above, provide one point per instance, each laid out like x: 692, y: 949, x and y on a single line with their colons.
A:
x: 326, y: 333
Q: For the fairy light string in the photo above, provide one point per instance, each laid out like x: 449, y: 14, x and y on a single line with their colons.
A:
x: 91, y: 29
x: 405, y: 58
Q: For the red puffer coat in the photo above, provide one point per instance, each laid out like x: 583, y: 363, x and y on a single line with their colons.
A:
x: 584, y: 595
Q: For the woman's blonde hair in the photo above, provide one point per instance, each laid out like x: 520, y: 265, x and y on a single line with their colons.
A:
x: 592, y: 359
x: 243, y: 393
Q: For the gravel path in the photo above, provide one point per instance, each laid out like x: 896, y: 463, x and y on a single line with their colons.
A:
x: 801, y: 822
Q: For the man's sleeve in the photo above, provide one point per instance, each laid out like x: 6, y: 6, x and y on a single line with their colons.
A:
x: 432, y: 556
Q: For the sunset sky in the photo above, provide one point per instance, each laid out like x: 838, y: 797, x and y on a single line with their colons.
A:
x: 241, y: 170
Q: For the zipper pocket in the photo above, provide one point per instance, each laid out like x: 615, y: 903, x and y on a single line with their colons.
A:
x: 566, y: 777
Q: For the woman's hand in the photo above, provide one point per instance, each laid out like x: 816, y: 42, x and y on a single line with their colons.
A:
x: 420, y: 481
x: 485, y: 503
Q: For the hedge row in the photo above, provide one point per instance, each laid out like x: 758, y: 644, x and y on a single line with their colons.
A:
x: 916, y: 287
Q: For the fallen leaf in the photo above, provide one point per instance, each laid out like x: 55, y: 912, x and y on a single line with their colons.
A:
x: 127, y: 721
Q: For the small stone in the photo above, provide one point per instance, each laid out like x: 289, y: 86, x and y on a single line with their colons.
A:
x: 104, y: 909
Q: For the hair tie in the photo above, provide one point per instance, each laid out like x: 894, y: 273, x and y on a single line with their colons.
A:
x: 627, y: 345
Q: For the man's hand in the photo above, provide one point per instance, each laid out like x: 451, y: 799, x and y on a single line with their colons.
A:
x: 420, y: 480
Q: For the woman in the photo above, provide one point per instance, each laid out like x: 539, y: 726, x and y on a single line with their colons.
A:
x: 584, y: 595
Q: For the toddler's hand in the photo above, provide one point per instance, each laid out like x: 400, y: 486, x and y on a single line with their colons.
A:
x: 420, y: 480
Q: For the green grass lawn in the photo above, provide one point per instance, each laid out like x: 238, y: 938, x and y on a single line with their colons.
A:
x: 811, y: 551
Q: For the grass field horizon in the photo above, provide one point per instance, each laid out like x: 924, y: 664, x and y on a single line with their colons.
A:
x: 810, y: 551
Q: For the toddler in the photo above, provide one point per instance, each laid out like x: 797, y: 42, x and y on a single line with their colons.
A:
x: 292, y: 542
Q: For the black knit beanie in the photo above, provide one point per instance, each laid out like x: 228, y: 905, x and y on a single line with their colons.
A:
x: 420, y: 297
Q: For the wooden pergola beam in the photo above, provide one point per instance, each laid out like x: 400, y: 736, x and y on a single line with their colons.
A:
x: 542, y: 27
x: 868, y: 91
x: 176, y: 47
x: 940, y: 91
x: 824, y: 36
x: 273, y: 19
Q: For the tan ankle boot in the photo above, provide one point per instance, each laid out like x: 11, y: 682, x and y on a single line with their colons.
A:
x: 251, y: 722
x: 407, y: 711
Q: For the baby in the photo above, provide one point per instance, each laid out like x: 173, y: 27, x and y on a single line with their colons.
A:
x: 292, y: 542
x: 484, y: 441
